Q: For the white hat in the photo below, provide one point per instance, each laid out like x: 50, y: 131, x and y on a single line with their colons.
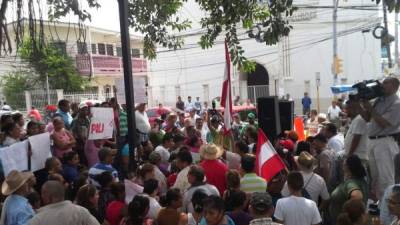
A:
x: 6, y: 108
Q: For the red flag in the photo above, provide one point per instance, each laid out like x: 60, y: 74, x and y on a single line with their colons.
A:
x: 268, y: 162
x: 226, y: 99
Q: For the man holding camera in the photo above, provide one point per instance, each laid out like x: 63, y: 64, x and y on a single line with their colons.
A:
x: 383, y: 119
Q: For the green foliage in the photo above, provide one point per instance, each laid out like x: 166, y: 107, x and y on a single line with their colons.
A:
x: 391, y: 4
x: 49, y: 61
x: 14, y: 85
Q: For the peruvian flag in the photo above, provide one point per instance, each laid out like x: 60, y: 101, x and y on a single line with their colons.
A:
x: 268, y: 162
x: 226, y: 99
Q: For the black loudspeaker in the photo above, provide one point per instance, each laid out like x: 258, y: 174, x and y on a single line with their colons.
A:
x: 286, y: 113
x: 268, y: 116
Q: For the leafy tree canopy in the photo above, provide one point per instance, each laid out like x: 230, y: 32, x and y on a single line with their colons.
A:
x: 158, y: 21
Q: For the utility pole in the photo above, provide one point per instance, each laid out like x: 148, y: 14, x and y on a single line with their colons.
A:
x: 335, y: 46
x: 128, y: 78
x: 396, y: 39
x: 385, y: 23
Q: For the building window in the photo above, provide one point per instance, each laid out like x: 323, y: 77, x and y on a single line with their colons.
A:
x: 135, y: 53
x: 110, y: 50
x: 119, y: 51
x: 94, y: 49
x: 82, y: 47
x: 101, y: 48
x: 60, y: 46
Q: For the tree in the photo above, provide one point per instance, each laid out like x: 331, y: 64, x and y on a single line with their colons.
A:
x: 49, y: 61
x: 157, y: 20
x: 14, y: 84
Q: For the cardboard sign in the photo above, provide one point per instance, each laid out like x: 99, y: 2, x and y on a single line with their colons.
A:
x: 139, y: 88
x: 40, y: 146
x: 15, y: 157
x: 101, y: 123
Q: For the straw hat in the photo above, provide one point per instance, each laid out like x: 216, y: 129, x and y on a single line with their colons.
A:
x: 210, y: 152
x: 306, y: 160
x: 14, y: 181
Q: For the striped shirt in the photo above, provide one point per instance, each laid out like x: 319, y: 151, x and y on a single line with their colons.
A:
x: 98, y: 169
x: 251, y: 183
x: 123, y: 123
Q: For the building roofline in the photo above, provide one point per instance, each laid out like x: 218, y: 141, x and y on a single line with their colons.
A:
x: 91, y: 27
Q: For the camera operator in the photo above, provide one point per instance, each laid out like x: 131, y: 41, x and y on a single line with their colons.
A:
x: 383, y: 119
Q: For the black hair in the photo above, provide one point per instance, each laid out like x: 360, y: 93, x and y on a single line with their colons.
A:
x: 185, y: 156
x: 167, y: 137
x: 193, y: 140
x: 103, y: 153
x: 137, y: 210
x: 295, y: 181
x: 355, y: 167
x: 197, y: 172
x: 9, y: 127
x: 104, y: 179
x: 235, y: 200
x: 331, y: 128
x: 242, y: 146
x: 321, y: 138
x: 4, y: 118
x: 172, y: 195
x: 149, y: 186
x: 63, y: 102
x: 178, y: 138
x: 68, y: 156
x: 197, y: 200
x: 303, y: 146
x: 248, y: 163
x: 33, y: 198
x: 118, y: 190
x: 31, y: 124
x: 214, y: 202
x: 49, y: 163
x: 17, y: 116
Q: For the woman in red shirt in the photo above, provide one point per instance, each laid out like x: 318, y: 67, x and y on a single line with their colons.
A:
x: 214, y: 168
x: 116, y: 209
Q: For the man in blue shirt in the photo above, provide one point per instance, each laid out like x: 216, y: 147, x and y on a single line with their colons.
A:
x: 16, y: 208
x: 63, y: 112
x: 306, y: 102
x: 106, y: 157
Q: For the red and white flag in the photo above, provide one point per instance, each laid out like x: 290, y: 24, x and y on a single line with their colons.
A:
x: 268, y: 162
x: 226, y: 99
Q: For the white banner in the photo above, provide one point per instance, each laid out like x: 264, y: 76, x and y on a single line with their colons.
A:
x: 101, y: 123
x: 15, y: 157
x: 139, y: 87
x: 40, y: 146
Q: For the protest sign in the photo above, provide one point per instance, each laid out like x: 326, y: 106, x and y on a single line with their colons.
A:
x: 139, y: 88
x: 101, y: 123
x: 40, y: 146
x: 15, y: 157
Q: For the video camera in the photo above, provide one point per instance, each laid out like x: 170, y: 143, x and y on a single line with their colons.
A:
x: 368, y: 90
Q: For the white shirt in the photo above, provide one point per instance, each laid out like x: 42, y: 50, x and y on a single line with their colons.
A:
x: 154, y: 207
x: 142, y: 122
x: 164, y: 153
x: 333, y: 113
x: 314, y: 184
x: 182, y: 182
x: 357, y: 126
x: 208, y: 189
x: 336, y: 143
x: 189, y: 105
x: 162, y: 181
x: 297, y: 211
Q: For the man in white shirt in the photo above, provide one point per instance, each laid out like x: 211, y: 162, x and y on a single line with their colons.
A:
x: 314, y: 183
x: 335, y: 139
x: 334, y: 113
x: 163, y: 149
x: 356, y: 140
x: 150, y: 190
x: 295, y: 209
x: 142, y: 122
x: 183, y: 162
x: 189, y: 104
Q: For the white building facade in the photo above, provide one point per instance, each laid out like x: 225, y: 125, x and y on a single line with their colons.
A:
x: 289, y: 67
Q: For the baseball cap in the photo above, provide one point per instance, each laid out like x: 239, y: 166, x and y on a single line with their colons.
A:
x: 251, y: 116
x: 261, y: 201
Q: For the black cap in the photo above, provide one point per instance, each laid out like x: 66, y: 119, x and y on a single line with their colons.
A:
x: 261, y: 201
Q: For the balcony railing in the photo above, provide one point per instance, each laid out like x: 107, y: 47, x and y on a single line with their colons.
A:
x: 106, y: 65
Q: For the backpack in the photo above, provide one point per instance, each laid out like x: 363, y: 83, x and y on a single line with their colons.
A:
x: 304, y: 191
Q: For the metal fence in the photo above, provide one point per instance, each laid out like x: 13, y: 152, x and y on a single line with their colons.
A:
x: 88, y: 95
x: 254, y: 92
x: 40, y: 99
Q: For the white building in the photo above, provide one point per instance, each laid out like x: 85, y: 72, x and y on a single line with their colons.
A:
x: 287, y: 68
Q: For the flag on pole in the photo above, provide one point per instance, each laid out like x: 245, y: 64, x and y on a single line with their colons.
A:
x: 268, y: 162
x: 226, y: 99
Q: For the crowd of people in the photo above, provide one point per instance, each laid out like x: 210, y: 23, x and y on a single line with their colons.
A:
x: 189, y: 170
